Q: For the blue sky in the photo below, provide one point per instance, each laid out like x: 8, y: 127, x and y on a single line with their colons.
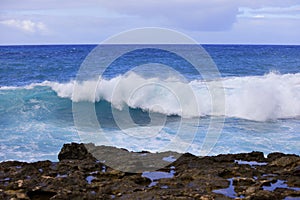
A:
x: 91, y: 21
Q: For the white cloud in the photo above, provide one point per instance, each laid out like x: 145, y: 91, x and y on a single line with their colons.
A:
x: 90, y: 21
x: 25, y: 25
x: 213, y: 15
x: 290, y: 12
x: 210, y: 15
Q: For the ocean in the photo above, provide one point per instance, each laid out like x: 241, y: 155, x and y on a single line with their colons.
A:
x: 261, y: 86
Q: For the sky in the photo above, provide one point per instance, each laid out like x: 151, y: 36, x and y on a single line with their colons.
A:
x: 92, y: 21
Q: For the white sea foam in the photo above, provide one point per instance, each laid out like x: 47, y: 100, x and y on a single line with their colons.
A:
x: 268, y: 97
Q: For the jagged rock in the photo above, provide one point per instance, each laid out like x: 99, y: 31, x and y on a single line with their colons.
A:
x: 78, y: 175
x: 74, y: 151
x: 254, y: 155
x: 296, y: 171
x: 264, y: 195
x: 243, y: 181
x: 285, y: 161
x: 275, y: 155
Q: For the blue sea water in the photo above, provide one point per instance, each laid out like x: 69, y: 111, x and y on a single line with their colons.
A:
x: 261, y: 85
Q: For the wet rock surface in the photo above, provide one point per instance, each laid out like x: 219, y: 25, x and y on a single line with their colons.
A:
x: 79, y: 175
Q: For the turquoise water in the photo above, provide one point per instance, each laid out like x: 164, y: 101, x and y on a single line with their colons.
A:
x: 261, y: 85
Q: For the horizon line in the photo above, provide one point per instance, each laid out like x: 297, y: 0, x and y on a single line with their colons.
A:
x: 77, y: 44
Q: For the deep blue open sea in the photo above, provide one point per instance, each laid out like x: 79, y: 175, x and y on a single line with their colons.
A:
x: 262, y: 101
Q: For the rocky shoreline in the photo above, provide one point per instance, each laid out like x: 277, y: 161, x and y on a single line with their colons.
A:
x: 79, y: 175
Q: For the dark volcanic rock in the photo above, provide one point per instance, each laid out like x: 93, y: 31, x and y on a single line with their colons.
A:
x: 74, y: 151
x: 78, y: 175
x: 40, y: 194
x: 264, y: 195
x: 253, y: 156
x: 286, y: 161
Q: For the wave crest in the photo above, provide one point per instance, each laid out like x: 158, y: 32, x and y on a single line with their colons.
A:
x: 260, y: 98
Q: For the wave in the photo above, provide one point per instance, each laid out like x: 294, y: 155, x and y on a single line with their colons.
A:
x: 260, y: 98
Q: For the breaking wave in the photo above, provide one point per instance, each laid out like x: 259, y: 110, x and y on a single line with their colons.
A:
x: 260, y: 98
